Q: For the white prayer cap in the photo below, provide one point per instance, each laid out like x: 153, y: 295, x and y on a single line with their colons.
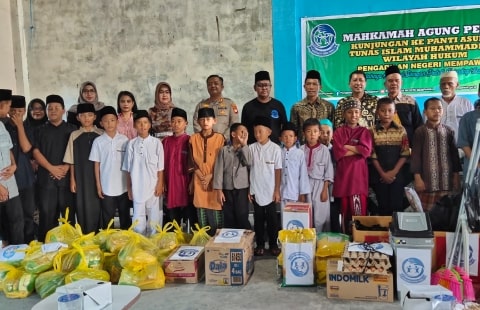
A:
x: 449, y: 74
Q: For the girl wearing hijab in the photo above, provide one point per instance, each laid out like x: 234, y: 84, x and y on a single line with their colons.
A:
x: 88, y: 94
x: 162, y: 111
x: 36, y: 114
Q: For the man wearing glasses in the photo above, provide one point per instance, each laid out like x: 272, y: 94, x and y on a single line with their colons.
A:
x: 264, y: 105
x: 312, y: 106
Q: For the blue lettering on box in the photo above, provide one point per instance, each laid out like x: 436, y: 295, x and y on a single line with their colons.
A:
x: 236, y: 266
x: 217, y: 266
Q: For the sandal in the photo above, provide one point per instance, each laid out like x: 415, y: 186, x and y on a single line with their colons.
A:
x: 259, y: 251
x: 275, y: 251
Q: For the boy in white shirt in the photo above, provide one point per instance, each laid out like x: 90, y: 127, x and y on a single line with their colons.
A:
x: 144, y: 163
x: 265, y: 179
x: 107, y: 153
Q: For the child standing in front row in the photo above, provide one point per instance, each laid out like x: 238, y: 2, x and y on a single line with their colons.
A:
x: 144, y: 164
x: 352, y: 145
x: 320, y: 173
x: 177, y: 178
x: 326, y: 133
x: 205, y: 146
x: 390, y: 152
x: 295, y: 185
x: 82, y: 180
x: 265, y: 179
x: 435, y: 163
x: 107, y: 154
x: 230, y: 179
x: 53, y: 176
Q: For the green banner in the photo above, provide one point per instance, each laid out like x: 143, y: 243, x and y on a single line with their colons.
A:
x: 424, y: 44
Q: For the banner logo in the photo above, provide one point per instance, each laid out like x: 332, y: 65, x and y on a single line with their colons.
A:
x: 322, y: 41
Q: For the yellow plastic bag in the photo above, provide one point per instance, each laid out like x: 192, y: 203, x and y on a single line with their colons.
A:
x: 19, y: 284
x: 113, y: 267
x: 4, y: 270
x: 200, y: 236
x: 69, y: 259
x: 47, y: 282
x: 146, y: 277
x: 329, y: 245
x: 138, y: 251
x: 165, y: 238
x: 118, y: 239
x: 65, y: 232
x: 182, y: 237
x: 103, y: 235
x: 39, y: 257
x: 84, y: 272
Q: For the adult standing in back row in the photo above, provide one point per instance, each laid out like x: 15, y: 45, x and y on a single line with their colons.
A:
x: 312, y: 106
x: 88, y: 94
x: 407, y: 111
x: 264, y: 105
x: 226, y: 111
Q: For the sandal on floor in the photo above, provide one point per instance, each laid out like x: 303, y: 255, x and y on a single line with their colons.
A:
x: 259, y: 251
x: 275, y: 251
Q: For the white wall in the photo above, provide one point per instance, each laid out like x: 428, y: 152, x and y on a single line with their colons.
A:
x: 134, y: 44
x: 7, y: 75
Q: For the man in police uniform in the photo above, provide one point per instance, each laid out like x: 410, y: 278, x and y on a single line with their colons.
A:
x: 226, y: 111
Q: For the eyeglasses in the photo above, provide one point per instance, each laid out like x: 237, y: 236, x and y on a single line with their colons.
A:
x: 36, y: 109
x: 164, y: 92
x: 264, y: 85
x: 86, y: 91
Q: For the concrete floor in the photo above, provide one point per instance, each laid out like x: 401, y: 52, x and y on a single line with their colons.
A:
x: 261, y: 292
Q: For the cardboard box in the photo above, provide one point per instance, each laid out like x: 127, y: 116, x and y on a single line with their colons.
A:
x: 96, y: 294
x: 298, y: 263
x: 185, y: 265
x: 426, y: 297
x: 371, y: 235
x: 358, y: 286
x: 229, y: 257
x: 297, y: 215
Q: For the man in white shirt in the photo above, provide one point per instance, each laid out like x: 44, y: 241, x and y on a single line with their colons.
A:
x: 454, y: 106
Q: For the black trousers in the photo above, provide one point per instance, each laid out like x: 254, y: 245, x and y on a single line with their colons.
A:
x: 27, y: 197
x: 235, y: 209
x: 110, y: 204
x: 53, y: 202
x: 334, y: 216
x: 390, y: 196
x: 261, y: 214
x: 12, y: 221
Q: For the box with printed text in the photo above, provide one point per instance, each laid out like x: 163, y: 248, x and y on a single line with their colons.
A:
x: 358, y: 286
x: 229, y: 257
x: 185, y: 265
x: 297, y: 215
